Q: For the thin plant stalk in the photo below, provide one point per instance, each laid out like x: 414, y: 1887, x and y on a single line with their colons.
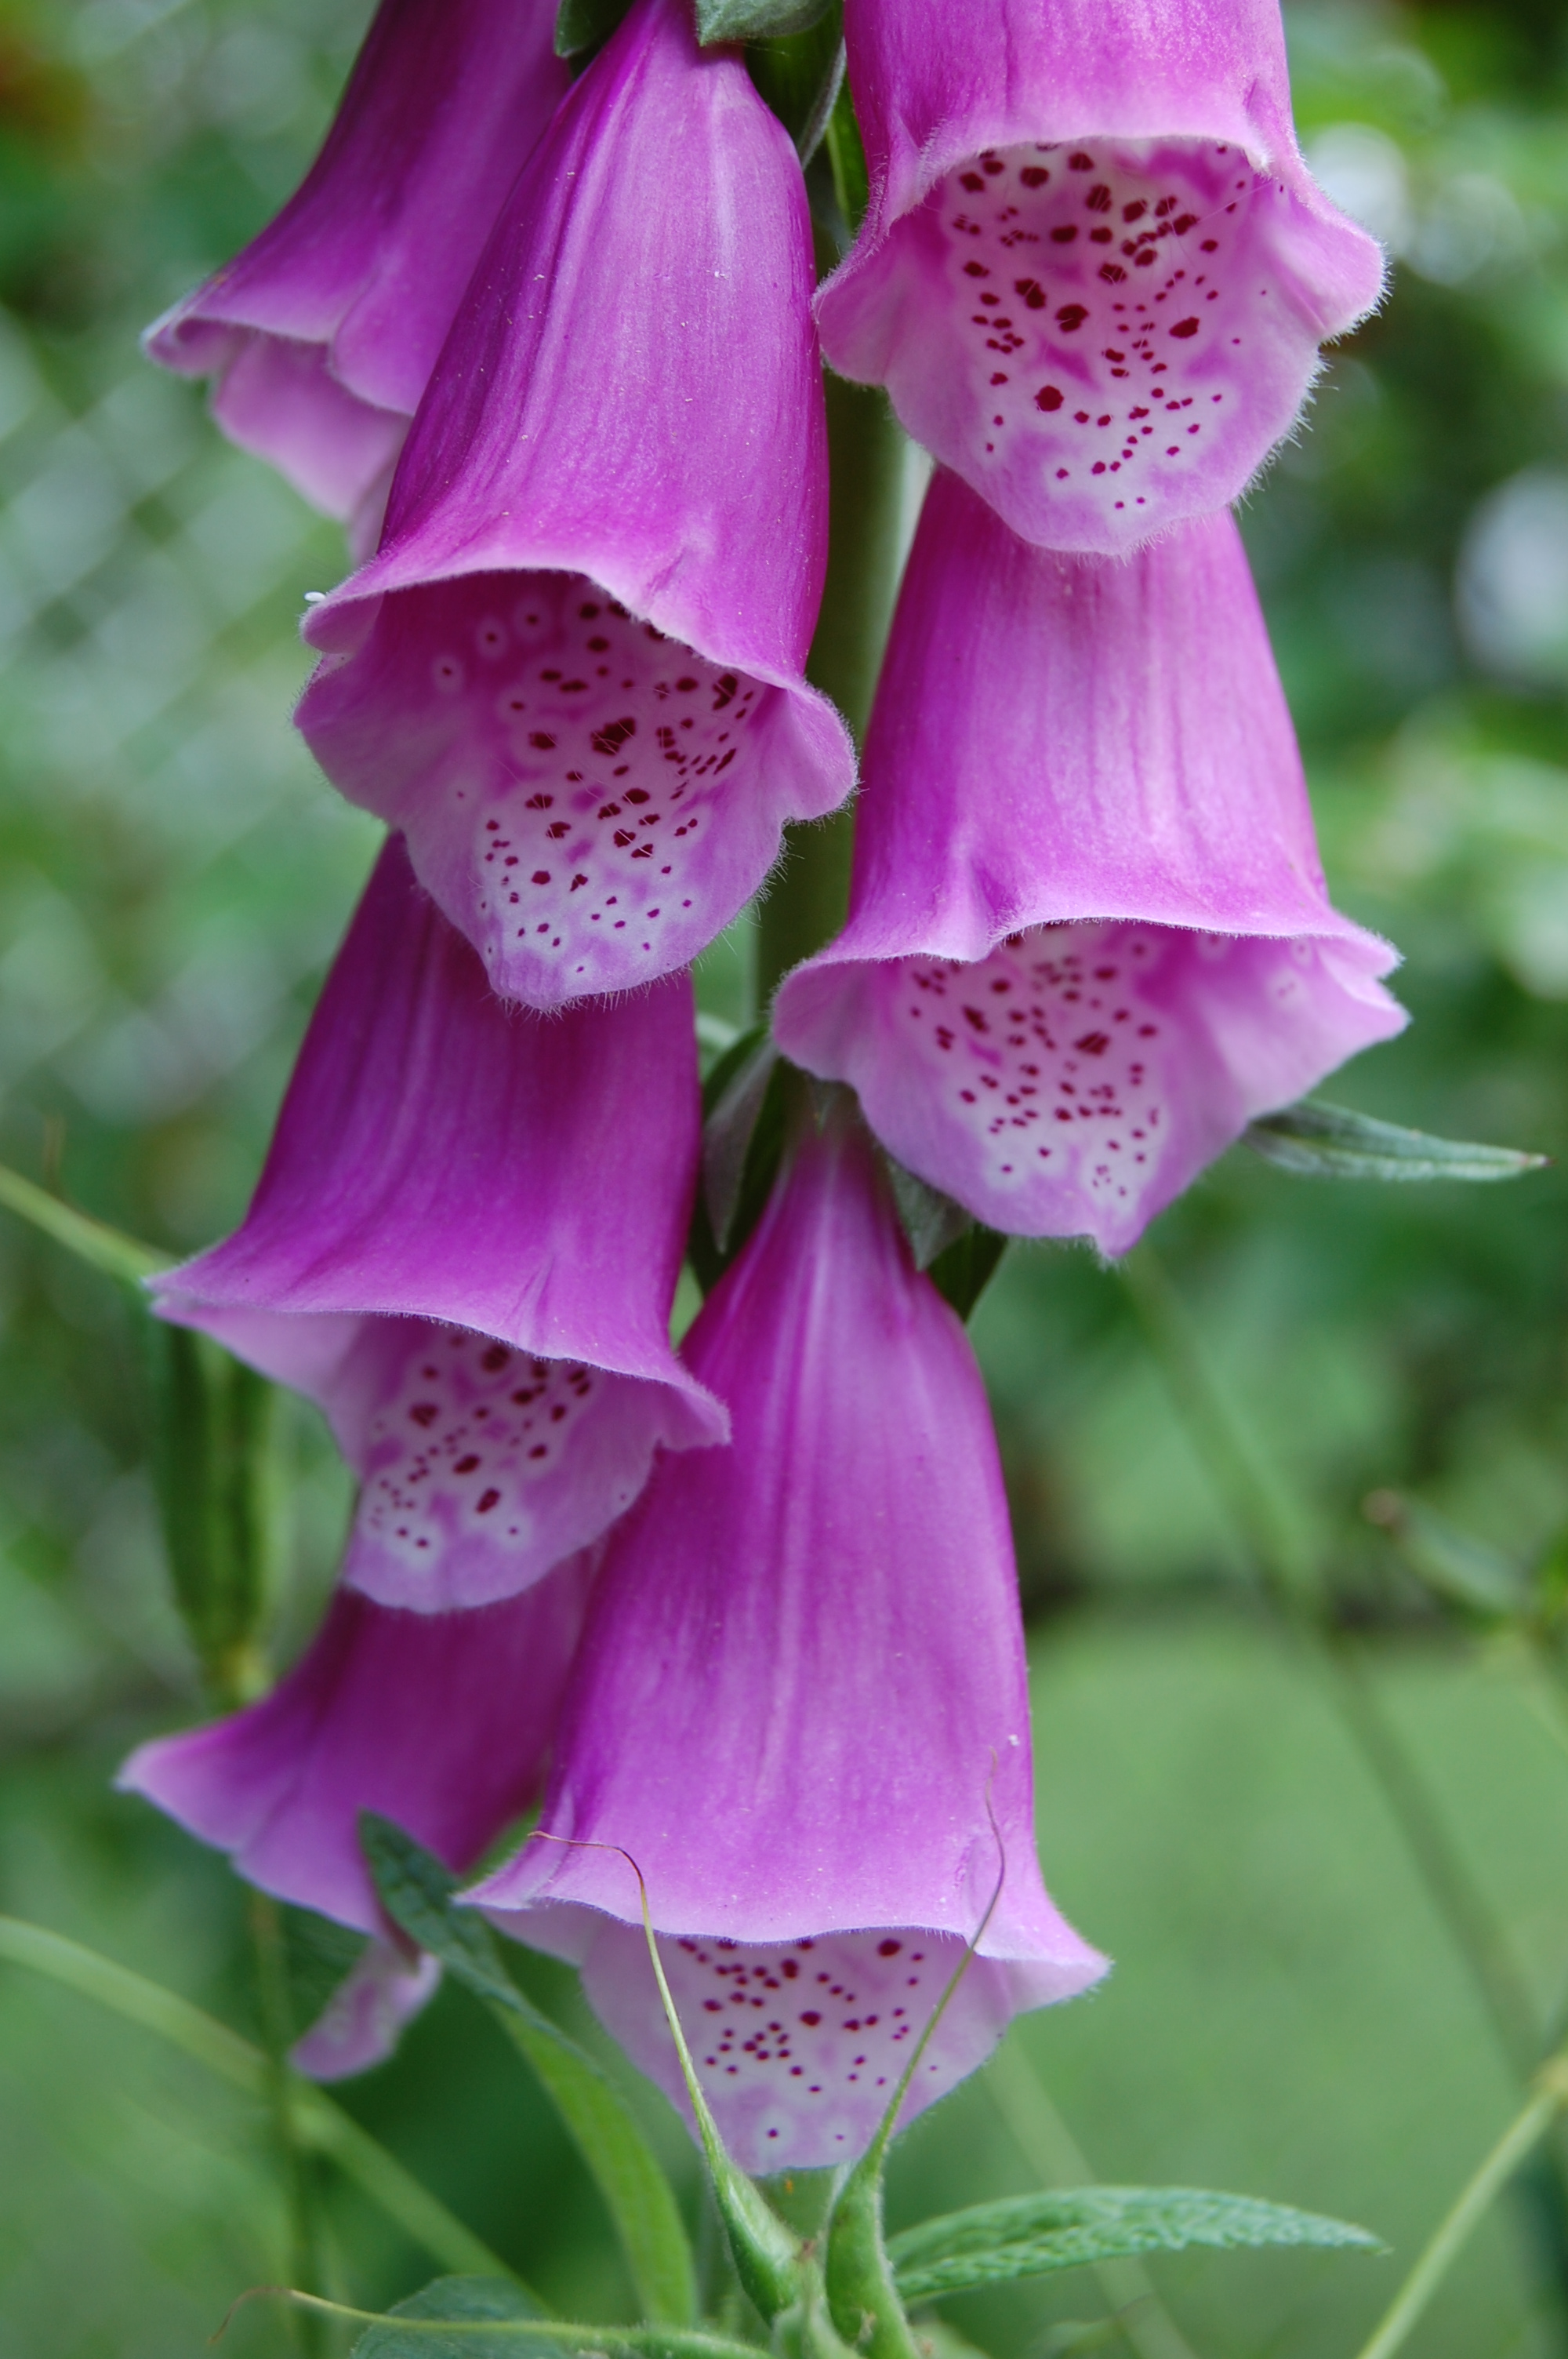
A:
x: 305, y: 2260
x: 1049, y: 2148
x: 322, y: 2126
x: 1475, y: 2199
x: 1246, y: 1487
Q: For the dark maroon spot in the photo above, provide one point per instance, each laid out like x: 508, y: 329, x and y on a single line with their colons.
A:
x: 425, y: 1412
x: 543, y: 740
x: 1031, y: 291
x: 1034, y: 176
x: 1079, y: 162
x: 1187, y: 222
x: 889, y: 1949
x: 488, y: 1499
x: 970, y: 180
x: 1065, y: 234
x: 1071, y: 317
x: 1099, y: 199
x: 1048, y: 397
x: 976, y: 270
x: 465, y: 1465
x: 612, y: 736
x: 1185, y: 328
x: 811, y: 2018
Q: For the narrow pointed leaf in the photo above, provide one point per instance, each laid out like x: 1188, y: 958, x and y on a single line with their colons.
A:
x: 460, y: 2302
x: 1329, y: 1142
x: 755, y: 20
x: 583, y: 24
x: 931, y: 1221
x: 963, y: 1270
x: 416, y: 1892
x: 1035, y: 2235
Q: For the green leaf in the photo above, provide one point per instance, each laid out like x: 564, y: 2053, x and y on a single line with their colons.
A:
x: 745, y: 1108
x: 963, y: 1271
x: 755, y: 20
x: 1458, y: 1567
x: 1034, y: 2235
x: 586, y: 25
x: 416, y: 1892
x: 457, y: 2302
x: 1327, y: 1142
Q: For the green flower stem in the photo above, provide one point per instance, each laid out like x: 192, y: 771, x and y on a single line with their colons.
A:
x: 805, y: 900
x: 91, y: 1241
x: 1511, y: 2150
x: 1247, y: 1488
x: 295, y: 2161
x: 323, y: 2126
x: 1049, y: 2148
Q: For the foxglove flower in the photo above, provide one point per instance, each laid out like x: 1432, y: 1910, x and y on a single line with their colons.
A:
x: 442, y: 1724
x: 572, y: 674
x: 1095, y: 272
x: 800, y: 1704
x: 464, y: 1245
x: 1088, y: 937
x: 323, y: 334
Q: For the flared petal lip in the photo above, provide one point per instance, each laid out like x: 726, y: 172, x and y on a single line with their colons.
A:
x: 203, y: 1305
x: 898, y: 192
x: 966, y: 936
x: 341, y: 622
x: 511, y: 1898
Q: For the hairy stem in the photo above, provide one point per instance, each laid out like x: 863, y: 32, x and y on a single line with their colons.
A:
x: 1517, y: 2141
x: 810, y: 891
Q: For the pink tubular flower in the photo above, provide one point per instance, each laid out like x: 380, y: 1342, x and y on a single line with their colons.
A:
x: 1095, y: 272
x: 442, y: 1724
x: 464, y: 1245
x: 800, y: 1704
x: 323, y: 332
x: 572, y: 674
x: 1088, y: 937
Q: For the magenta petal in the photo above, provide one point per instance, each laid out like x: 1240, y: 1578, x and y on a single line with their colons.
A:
x: 824, y: 1672
x: 323, y: 332
x: 364, y: 2020
x: 465, y: 1245
x: 585, y: 625
x: 1096, y: 272
x: 1089, y: 937
x: 441, y: 1723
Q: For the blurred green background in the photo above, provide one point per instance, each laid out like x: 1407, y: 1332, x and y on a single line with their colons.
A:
x: 1290, y: 2014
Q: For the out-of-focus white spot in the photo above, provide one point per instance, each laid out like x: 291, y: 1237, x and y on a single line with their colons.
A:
x: 1364, y: 173
x: 1512, y: 588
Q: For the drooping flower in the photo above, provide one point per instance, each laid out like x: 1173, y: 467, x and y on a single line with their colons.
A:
x: 465, y: 1246
x: 1095, y: 272
x: 1089, y: 937
x: 800, y: 1704
x: 441, y: 1723
x: 572, y: 674
x: 323, y: 334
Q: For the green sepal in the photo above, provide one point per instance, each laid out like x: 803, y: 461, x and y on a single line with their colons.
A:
x: 756, y: 20
x: 1065, y: 2228
x: 745, y: 1105
x: 957, y: 1253
x: 847, y: 160
x: 1464, y: 1570
x: 416, y: 1892
x: 586, y: 25
x: 799, y: 75
x: 1329, y: 1142
x: 458, y: 2302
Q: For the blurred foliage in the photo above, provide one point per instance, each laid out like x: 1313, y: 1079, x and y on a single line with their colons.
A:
x: 1289, y: 2015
